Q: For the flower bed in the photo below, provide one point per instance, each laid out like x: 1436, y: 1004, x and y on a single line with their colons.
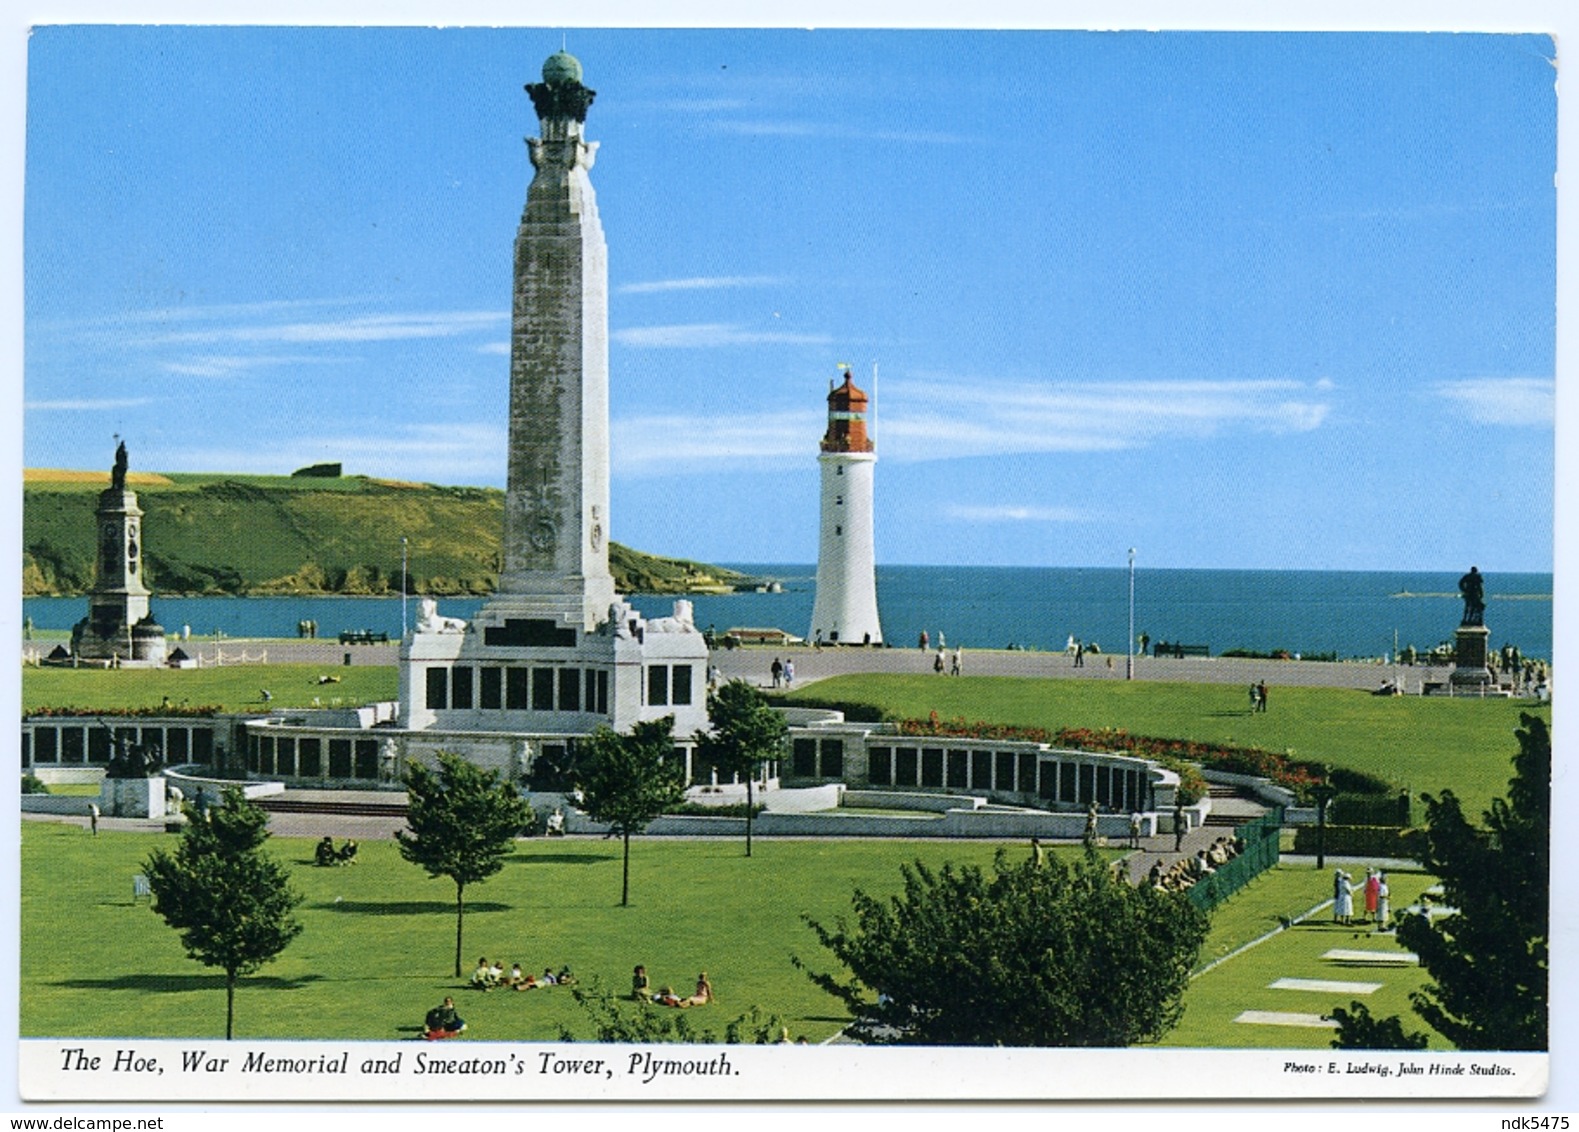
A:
x: 166, y: 711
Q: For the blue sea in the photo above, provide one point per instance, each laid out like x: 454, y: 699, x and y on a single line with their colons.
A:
x: 1346, y: 613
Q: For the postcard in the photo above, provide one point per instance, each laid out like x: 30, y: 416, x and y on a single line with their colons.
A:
x: 761, y: 564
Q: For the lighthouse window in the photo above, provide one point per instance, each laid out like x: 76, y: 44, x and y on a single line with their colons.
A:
x: 838, y: 470
x: 838, y: 501
x: 838, y: 530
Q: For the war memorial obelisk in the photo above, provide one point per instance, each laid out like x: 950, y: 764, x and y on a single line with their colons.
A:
x: 556, y: 652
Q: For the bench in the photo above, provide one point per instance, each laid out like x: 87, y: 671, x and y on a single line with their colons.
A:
x: 141, y: 890
x: 1173, y: 649
x: 363, y: 637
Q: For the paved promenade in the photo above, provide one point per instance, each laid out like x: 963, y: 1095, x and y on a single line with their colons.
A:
x: 753, y: 663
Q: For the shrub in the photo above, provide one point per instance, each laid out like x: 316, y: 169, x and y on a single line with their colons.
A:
x: 32, y: 784
x: 1357, y: 841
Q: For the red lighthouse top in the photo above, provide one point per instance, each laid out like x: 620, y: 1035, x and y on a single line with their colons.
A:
x: 846, y: 419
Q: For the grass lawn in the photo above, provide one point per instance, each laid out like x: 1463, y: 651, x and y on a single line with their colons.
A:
x: 1424, y: 744
x: 232, y: 689
x: 1243, y: 983
x: 378, y: 941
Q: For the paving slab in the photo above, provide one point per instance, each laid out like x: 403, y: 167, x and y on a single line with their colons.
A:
x: 1284, y: 1018
x: 1325, y: 986
x: 1371, y: 958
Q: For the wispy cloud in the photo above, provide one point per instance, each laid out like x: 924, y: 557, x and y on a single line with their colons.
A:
x: 919, y: 421
x: 361, y: 328
x: 700, y: 283
x: 1504, y: 400
x: 436, y: 453
x: 495, y: 348
x: 663, y: 444
x: 200, y: 312
x: 85, y: 405
x: 793, y: 128
x: 922, y: 420
x: 702, y: 335
x: 229, y: 365
x: 1015, y: 513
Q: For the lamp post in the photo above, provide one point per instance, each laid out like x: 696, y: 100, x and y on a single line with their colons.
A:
x: 1323, y: 793
x: 1129, y: 660
x: 403, y: 587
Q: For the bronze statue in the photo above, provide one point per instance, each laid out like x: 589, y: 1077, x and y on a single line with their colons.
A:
x: 1473, y: 586
x: 118, y: 473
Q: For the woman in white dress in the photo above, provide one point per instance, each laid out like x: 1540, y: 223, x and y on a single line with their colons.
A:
x: 1342, y: 897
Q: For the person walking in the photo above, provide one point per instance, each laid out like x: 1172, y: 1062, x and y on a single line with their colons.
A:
x: 1179, y: 826
x: 777, y: 671
x: 1080, y: 654
x: 1373, y: 892
x: 954, y: 666
x: 1383, y: 902
x: 1255, y: 698
x: 925, y: 640
x: 93, y: 817
x: 789, y: 673
x: 1134, y: 830
x: 1261, y: 696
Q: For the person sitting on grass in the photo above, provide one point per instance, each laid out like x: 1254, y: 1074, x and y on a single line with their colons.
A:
x: 547, y: 979
x: 667, y: 997
x: 529, y: 982
x: 484, y: 976
x: 443, y: 1022
x: 640, y: 988
x: 325, y: 855
x: 513, y: 979
x: 704, y: 992
x: 566, y: 979
x: 348, y: 852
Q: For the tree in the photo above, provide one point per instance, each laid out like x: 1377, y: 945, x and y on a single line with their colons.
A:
x: 746, y: 733
x: 1488, y: 960
x: 461, y: 823
x: 1358, y: 1029
x: 1047, y: 954
x: 230, y: 900
x: 627, y: 780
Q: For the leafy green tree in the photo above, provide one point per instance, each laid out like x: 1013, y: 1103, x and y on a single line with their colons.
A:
x: 614, y: 1020
x: 1488, y: 960
x: 627, y: 780
x: 230, y: 900
x: 1049, y: 954
x: 462, y: 823
x: 1359, y: 1029
x: 746, y: 733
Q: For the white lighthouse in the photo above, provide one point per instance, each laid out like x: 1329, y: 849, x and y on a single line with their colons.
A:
x: 845, y: 611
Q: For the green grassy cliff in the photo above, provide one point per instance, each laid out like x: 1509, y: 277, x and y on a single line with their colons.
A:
x: 217, y: 534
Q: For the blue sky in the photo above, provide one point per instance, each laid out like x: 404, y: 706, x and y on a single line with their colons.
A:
x: 1241, y: 300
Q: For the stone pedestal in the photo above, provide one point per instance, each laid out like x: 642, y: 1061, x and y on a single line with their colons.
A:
x: 1470, y: 672
x: 132, y: 797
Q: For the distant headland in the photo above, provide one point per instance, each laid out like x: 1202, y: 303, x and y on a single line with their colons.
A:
x: 261, y: 535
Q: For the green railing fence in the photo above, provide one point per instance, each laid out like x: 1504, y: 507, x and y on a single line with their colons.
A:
x: 1260, y: 854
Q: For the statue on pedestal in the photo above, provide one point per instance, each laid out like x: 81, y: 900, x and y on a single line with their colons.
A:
x: 1473, y: 586
x: 118, y: 472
